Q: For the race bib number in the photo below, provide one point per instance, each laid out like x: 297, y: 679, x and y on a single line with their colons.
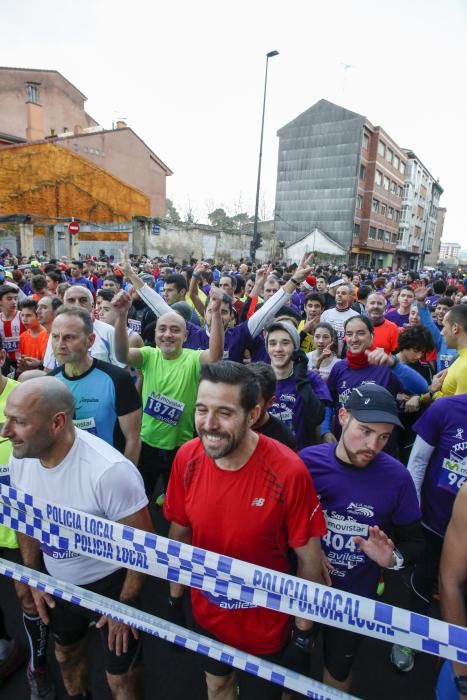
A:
x: 87, y: 424
x: 340, y: 547
x: 11, y: 344
x: 134, y: 325
x: 164, y: 408
x: 452, y: 476
x: 445, y: 361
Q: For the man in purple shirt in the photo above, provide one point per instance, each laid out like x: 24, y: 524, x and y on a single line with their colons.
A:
x: 76, y: 272
x: 400, y: 316
x: 438, y: 467
x: 365, y: 494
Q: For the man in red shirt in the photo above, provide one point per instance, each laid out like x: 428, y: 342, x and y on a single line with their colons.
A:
x: 385, y: 333
x: 244, y: 495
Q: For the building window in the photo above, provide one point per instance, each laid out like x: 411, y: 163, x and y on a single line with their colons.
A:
x: 394, y: 187
x: 402, y: 168
x: 390, y: 212
x: 378, y: 178
x: 372, y: 233
x: 362, y: 172
x: 400, y: 235
x: 418, y: 231
x: 399, y: 191
x: 386, y: 182
x: 356, y: 230
x: 387, y: 237
x: 396, y: 162
x: 382, y: 209
x: 397, y: 215
x: 380, y: 234
x: 395, y: 237
x: 381, y: 148
x: 375, y: 206
x: 389, y: 155
x: 423, y: 191
x: 32, y: 92
x: 365, y: 141
x: 359, y: 201
x: 420, y: 212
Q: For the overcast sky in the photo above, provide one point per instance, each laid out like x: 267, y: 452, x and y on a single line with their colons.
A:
x: 188, y: 77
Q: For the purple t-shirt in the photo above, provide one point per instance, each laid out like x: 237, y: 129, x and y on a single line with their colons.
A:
x: 444, y: 426
x: 354, y: 498
x: 236, y: 340
x: 432, y: 300
x: 342, y: 380
x: 400, y: 320
x: 288, y: 405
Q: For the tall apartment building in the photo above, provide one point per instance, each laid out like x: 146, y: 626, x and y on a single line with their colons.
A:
x: 449, y: 253
x: 432, y: 258
x: 340, y: 173
x: 420, y: 203
x: 38, y: 105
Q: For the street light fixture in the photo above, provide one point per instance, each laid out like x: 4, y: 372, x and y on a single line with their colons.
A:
x: 256, y: 240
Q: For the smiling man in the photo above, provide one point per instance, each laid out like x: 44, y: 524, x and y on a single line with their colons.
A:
x: 247, y: 496
x: 170, y: 379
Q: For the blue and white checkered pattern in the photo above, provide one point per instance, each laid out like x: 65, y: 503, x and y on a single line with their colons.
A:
x: 173, y: 633
x: 221, y: 575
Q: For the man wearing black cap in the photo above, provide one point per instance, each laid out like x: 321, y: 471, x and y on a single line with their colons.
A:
x: 365, y: 493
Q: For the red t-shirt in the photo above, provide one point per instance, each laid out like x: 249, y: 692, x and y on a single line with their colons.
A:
x: 386, y: 336
x: 254, y: 514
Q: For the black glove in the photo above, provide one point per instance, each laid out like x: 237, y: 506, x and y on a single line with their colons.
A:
x: 176, y: 611
x: 296, y: 654
x: 176, y: 614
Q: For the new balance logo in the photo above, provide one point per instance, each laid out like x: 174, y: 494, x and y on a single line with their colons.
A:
x: 258, y: 502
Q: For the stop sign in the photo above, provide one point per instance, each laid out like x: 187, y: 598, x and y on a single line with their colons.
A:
x: 73, y: 227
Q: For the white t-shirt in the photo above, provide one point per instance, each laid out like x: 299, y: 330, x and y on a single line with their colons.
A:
x: 326, y: 365
x: 337, y: 320
x: 95, y: 478
x: 103, y: 347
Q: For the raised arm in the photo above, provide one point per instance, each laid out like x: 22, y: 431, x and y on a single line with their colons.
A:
x: 154, y: 300
x: 269, y: 309
x: 215, y: 351
x: 130, y: 356
x: 193, y: 290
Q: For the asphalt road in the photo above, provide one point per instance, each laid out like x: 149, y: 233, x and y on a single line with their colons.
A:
x: 171, y: 675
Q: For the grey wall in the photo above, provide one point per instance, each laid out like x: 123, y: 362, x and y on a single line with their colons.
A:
x: 319, y: 156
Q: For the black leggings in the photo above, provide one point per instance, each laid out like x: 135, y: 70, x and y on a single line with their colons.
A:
x: 425, y: 574
x: 155, y: 462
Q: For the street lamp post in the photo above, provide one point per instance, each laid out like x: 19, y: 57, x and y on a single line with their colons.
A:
x: 255, y: 241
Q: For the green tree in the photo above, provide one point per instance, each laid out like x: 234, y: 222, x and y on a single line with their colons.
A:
x: 219, y: 219
x: 171, y: 212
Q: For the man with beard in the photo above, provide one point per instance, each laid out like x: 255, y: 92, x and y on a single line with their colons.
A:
x: 385, y: 333
x: 365, y: 494
x: 244, y: 495
x: 341, y: 313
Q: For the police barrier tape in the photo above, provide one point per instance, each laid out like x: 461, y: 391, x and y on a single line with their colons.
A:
x: 223, y: 577
x: 170, y: 632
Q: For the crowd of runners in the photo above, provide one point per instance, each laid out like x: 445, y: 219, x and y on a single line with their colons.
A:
x: 304, y: 418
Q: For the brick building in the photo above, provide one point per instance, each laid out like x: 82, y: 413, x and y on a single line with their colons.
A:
x: 340, y: 173
x: 38, y: 105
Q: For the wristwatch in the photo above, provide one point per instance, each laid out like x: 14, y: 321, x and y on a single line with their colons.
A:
x: 397, y: 561
x: 297, y: 284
